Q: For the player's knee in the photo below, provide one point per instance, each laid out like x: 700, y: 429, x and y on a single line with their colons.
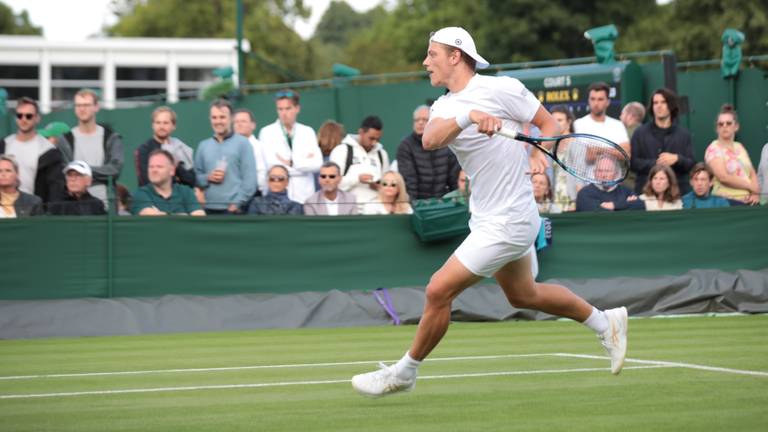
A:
x: 521, y: 300
x: 436, y: 293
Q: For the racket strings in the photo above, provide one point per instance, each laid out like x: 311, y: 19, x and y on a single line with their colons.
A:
x: 592, y: 159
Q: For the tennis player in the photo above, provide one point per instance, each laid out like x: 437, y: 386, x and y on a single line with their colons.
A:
x: 505, y: 219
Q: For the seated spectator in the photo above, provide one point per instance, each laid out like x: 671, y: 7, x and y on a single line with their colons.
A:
x: 600, y: 198
x: 77, y: 202
x: 735, y: 177
x: 700, y: 196
x: 276, y: 201
x: 661, y: 191
x: 163, y: 125
x: 392, y: 199
x: 427, y: 173
x: 542, y: 192
x: 13, y: 202
x: 462, y: 191
x: 124, y: 200
x: 329, y: 136
x: 162, y: 196
x: 762, y: 175
x: 330, y: 200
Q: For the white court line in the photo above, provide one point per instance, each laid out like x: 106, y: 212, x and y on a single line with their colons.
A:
x: 671, y: 364
x: 294, y: 383
x: 279, y: 366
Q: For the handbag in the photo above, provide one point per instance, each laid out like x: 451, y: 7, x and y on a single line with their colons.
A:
x: 440, y: 218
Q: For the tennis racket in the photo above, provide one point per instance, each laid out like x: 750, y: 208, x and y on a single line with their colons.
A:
x: 587, y: 157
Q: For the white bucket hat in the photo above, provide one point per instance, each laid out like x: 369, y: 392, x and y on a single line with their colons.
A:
x: 459, y: 38
x: 78, y: 166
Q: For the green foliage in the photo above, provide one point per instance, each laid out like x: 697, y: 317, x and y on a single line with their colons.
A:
x: 11, y: 24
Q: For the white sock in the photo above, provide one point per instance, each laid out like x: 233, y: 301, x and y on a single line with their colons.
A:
x: 597, y: 321
x: 406, y: 367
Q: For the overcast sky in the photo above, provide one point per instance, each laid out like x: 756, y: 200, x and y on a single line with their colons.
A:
x: 72, y: 20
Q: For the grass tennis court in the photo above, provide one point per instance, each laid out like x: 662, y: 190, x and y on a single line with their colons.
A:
x: 693, y: 373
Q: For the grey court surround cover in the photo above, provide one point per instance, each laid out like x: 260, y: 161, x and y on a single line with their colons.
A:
x: 698, y: 291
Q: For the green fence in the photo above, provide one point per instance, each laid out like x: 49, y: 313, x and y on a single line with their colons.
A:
x: 67, y: 257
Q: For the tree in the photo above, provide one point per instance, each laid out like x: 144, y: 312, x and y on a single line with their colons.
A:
x: 692, y: 28
x: 278, y: 53
x: 20, y: 24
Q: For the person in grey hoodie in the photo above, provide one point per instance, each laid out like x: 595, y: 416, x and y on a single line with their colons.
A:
x: 224, y: 165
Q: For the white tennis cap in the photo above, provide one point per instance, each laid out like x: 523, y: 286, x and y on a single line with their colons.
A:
x: 459, y: 38
x: 80, y: 167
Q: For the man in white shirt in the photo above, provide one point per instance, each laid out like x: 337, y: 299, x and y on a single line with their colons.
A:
x: 293, y: 145
x: 363, y: 161
x: 597, y: 122
x: 244, y: 124
x: 330, y: 200
x: 505, y: 219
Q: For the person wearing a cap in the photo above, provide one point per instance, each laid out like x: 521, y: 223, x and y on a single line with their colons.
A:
x: 39, y: 161
x: 505, y: 220
x: 52, y: 131
x: 77, y: 202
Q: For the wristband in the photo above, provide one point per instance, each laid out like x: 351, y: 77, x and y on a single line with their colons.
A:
x: 463, y: 120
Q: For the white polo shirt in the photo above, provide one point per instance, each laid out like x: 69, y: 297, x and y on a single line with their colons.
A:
x: 610, y: 129
x: 497, y: 165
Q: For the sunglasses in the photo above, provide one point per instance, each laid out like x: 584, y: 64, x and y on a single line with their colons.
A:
x: 28, y: 116
x: 278, y: 179
x: 388, y: 184
x: 285, y: 94
x: 725, y: 123
x: 328, y: 176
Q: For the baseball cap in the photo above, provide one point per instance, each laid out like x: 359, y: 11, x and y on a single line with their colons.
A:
x: 54, y: 129
x: 78, y: 166
x: 459, y: 38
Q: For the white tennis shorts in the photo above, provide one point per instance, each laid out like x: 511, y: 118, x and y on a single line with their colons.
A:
x: 493, y: 243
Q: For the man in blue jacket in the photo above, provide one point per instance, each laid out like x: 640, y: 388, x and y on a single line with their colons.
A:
x: 614, y: 198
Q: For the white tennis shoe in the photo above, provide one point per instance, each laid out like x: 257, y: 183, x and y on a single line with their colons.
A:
x: 614, y: 339
x: 382, y: 382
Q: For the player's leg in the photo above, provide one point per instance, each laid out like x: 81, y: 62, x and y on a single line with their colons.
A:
x: 444, y: 286
x: 523, y: 291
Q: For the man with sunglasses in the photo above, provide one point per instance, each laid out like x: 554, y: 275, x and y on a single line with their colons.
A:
x: 330, y: 200
x: 276, y: 201
x: 292, y: 144
x: 662, y: 141
x: 40, y: 162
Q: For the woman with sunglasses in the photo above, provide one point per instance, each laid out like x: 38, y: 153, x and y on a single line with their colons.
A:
x: 392, y: 198
x: 735, y: 176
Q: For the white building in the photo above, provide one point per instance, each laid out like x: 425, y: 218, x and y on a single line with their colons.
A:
x: 52, y: 72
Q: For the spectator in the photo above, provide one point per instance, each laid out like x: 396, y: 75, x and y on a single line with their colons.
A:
x: 661, y: 191
x: 96, y: 145
x: 427, y: 173
x: 163, y: 125
x: 276, y: 201
x: 392, y: 198
x: 14, y: 202
x: 462, y: 191
x: 735, y: 178
x: 597, y: 122
x: 614, y: 198
x: 662, y: 141
x: 363, y: 160
x: 330, y: 200
x: 329, y: 136
x: 52, y: 131
x: 124, y: 200
x: 245, y: 125
x: 39, y: 163
x: 162, y: 196
x: 77, y: 202
x: 762, y: 175
x: 224, y: 164
x: 293, y: 145
x: 632, y: 116
x: 542, y: 193
x: 565, y: 186
x: 702, y: 180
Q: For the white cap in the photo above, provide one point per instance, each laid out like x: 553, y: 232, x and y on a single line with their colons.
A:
x: 459, y: 38
x: 78, y: 166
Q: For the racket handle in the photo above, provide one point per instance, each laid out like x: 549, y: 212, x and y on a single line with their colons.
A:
x: 506, y: 132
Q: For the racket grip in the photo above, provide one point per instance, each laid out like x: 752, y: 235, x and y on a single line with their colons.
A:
x: 506, y: 132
